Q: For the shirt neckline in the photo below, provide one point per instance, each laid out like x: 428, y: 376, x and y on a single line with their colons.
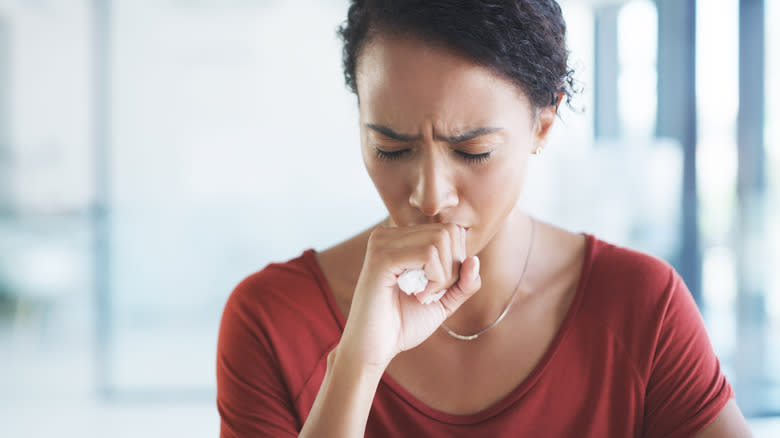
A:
x: 514, y: 395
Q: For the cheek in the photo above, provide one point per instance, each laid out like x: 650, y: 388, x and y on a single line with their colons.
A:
x: 498, y: 189
x: 388, y: 181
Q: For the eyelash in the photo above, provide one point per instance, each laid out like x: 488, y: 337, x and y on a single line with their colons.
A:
x: 395, y: 155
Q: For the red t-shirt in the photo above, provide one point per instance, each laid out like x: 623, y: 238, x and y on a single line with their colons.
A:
x: 631, y: 358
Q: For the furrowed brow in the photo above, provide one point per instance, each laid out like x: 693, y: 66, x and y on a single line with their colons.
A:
x: 458, y: 138
x: 387, y: 132
x: 469, y: 135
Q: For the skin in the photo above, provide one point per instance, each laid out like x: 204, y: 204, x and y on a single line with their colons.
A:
x: 430, y: 106
x: 432, y: 94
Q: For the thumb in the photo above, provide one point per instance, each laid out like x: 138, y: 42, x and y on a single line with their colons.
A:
x: 468, y: 284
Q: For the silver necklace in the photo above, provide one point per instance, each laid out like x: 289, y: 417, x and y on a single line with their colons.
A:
x: 511, y: 300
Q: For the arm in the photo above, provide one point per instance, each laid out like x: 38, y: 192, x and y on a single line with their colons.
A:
x: 687, y: 393
x: 383, y: 321
x: 252, y: 398
x: 344, y: 399
x: 252, y: 395
x: 728, y: 424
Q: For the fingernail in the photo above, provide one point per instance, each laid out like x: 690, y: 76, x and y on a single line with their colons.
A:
x: 475, y: 269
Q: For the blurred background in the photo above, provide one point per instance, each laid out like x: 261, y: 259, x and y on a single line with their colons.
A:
x: 154, y: 153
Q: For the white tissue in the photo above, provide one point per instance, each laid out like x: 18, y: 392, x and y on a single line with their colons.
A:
x: 413, y: 281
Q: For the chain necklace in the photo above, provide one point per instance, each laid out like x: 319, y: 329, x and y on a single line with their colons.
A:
x: 511, y: 300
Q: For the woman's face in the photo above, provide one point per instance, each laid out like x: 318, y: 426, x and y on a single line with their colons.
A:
x: 444, y: 139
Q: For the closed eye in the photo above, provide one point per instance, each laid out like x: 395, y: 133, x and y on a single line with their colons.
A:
x: 475, y: 158
x: 394, y: 155
x: 389, y: 155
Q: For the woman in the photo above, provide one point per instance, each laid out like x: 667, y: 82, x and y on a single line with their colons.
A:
x: 523, y: 328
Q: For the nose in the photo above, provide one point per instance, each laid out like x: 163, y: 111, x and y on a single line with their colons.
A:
x: 434, y: 190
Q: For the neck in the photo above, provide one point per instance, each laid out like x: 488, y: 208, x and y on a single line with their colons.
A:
x: 501, y: 265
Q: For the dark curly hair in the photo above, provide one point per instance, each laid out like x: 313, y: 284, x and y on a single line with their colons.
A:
x: 522, y: 40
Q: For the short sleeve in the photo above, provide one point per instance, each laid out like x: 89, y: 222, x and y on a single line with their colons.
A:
x: 686, y: 389
x: 251, y: 397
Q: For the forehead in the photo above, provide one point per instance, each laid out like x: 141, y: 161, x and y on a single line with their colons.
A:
x: 405, y: 80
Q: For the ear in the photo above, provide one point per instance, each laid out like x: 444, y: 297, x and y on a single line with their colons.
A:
x: 545, y: 117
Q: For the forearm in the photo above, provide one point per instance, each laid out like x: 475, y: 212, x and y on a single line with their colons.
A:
x: 344, y: 399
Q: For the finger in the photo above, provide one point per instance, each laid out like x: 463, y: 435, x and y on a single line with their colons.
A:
x: 425, y: 257
x: 468, y: 284
x: 407, y: 237
x: 448, y: 240
x: 455, y: 255
x: 464, y: 253
x: 440, y: 246
x: 443, y: 236
x: 438, y: 273
x: 412, y: 230
x: 460, y: 246
x: 439, y: 268
x: 434, y: 297
x: 410, y: 237
x: 443, y: 239
x: 457, y: 236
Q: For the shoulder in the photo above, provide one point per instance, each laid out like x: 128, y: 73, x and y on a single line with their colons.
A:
x: 637, y: 316
x: 624, y: 278
x: 279, y: 278
x: 281, y: 299
x: 633, y: 297
x: 276, y: 283
x: 628, y: 265
x: 275, y: 328
x: 277, y: 325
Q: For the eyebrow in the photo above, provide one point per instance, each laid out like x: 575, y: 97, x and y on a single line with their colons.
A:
x: 458, y: 138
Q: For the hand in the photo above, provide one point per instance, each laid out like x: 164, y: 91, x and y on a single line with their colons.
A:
x: 383, y: 320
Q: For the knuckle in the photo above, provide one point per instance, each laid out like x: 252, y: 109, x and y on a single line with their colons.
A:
x: 453, y: 229
x: 442, y: 235
x: 432, y: 252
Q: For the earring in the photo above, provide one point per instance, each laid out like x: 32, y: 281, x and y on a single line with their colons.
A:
x: 538, y: 151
